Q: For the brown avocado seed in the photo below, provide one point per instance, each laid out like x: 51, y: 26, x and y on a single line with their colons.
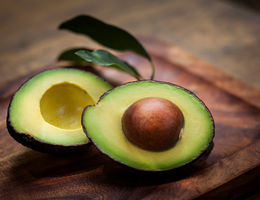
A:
x: 153, y: 123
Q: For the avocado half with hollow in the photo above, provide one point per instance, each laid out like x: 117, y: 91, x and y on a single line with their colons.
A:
x: 150, y: 125
x: 45, y: 113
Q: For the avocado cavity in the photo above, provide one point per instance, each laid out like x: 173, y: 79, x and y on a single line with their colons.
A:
x: 62, y: 105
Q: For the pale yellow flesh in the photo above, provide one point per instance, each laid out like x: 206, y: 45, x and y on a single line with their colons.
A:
x: 35, y: 105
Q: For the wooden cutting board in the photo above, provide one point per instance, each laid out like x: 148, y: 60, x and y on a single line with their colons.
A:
x: 231, y: 170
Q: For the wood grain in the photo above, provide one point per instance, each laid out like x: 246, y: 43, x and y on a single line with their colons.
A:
x: 233, y: 163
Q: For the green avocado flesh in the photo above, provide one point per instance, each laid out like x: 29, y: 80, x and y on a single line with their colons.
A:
x: 49, y: 106
x: 102, y: 123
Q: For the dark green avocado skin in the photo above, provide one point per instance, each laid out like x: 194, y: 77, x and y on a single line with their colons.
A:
x: 195, y: 162
x: 29, y: 141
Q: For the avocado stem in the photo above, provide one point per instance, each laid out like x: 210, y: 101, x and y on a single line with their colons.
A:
x: 153, y: 71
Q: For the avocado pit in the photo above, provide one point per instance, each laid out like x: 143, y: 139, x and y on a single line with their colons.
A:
x: 153, y: 123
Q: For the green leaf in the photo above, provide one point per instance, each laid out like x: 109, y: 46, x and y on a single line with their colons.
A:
x: 104, y: 58
x: 107, y: 35
x: 69, y: 55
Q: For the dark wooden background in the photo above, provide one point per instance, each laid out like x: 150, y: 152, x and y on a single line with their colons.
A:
x: 225, y: 33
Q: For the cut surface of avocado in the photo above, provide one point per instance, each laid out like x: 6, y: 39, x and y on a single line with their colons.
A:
x: 48, y: 107
x: 103, y: 125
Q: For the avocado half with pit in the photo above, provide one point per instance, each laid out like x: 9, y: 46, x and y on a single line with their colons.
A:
x: 150, y: 125
x: 45, y: 113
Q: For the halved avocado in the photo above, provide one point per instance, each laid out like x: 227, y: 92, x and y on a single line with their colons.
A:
x: 103, y: 125
x: 45, y: 113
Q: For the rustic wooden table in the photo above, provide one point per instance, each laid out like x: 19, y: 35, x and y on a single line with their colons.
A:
x: 224, y: 33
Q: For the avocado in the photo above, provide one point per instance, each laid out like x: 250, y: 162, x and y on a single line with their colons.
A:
x: 45, y: 113
x: 128, y: 121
